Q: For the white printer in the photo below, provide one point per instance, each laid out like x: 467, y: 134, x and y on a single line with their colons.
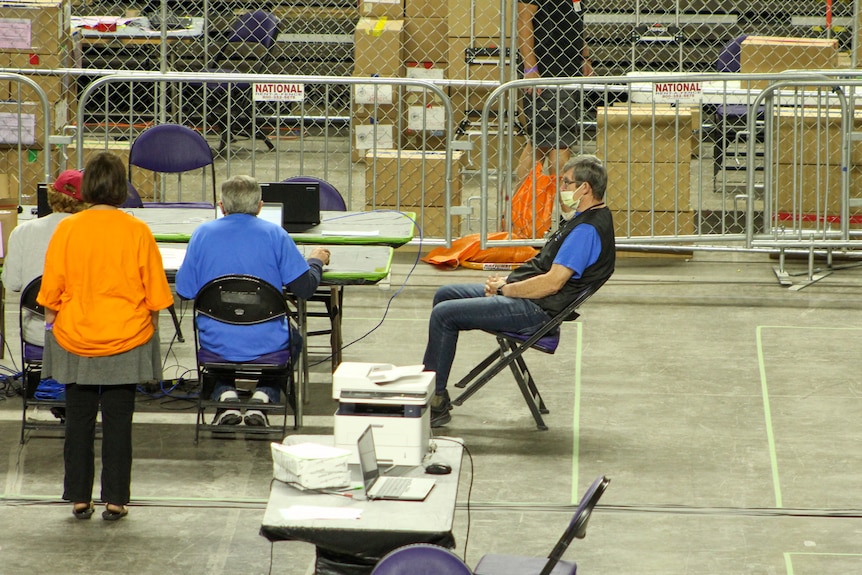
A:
x: 393, y: 400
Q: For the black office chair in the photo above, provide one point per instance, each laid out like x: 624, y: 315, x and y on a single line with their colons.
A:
x: 510, y: 351
x: 330, y: 296
x: 31, y: 365
x: 244, y: 300
x: 493, y: 564
x: 421, y: 559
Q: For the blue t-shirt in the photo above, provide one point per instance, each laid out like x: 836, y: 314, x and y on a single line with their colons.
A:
x: 240, y: 244
x: 580, y: 249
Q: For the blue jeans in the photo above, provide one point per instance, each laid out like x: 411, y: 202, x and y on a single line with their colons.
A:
x: 463, y: 307
x: 268, y: 385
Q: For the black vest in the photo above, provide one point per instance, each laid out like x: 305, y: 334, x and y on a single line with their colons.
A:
x: 599, y: 218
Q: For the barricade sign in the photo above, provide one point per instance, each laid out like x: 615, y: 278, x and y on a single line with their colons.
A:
x: 278, y: 92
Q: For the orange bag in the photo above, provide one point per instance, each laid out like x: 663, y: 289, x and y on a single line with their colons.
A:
x: 522, y: 204
x: 467, y: 249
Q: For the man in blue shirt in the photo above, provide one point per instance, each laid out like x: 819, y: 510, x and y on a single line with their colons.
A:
x: 241, y: 243
x: 579, y: 254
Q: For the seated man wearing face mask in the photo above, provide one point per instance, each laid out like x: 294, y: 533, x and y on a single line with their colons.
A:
x: 580, y: 253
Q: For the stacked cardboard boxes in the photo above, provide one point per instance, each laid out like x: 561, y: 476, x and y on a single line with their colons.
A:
x: 648, y: 156
x: 807, y: 149
x: 772, y: 54
x: 412, y: 180
x: 36, y: 36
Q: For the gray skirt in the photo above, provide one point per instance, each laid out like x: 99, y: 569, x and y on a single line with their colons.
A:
x: 137, y: 365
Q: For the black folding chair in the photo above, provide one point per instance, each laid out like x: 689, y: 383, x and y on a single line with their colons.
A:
x: 510, y: 351
x: 31, y: 365
x: 493, y: 564
x: 244, y: 300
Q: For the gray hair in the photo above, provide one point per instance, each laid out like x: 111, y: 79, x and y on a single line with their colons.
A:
x: 240, y: 195
x: 589, y: 168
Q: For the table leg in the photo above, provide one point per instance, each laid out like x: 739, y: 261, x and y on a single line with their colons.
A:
x: 302, y: 384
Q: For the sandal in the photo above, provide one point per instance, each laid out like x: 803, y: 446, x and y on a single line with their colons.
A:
x: 118, y: 512
x: 83, y: 512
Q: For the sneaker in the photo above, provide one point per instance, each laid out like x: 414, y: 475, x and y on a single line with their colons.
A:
x: 440, y: 407
x: 227, y: 417
x: 256, y: 418
x: 259, y: 397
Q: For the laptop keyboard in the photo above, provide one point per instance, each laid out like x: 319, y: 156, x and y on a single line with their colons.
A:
x: 393, y: 487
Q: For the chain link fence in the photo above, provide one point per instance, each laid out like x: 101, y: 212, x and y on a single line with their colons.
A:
x: 332, y: 130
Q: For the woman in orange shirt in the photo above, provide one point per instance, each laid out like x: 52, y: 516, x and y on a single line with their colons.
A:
x: 102, y: 288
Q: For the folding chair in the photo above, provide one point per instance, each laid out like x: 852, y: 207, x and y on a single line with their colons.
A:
x: 511, y: 348
x: 553, y: 564
x: 31, y: 363
x: 331, y: 296
x: 243, y: 300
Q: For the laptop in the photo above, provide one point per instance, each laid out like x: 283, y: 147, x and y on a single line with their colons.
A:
x: 393, y: 488
x: 301, y: 201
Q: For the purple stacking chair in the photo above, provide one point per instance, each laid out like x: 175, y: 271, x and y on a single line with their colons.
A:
x: 31, y: 364
x: 173, y: 149
x: 553, y: 564
x: 421, y: 559
x: 244, y: 300
x: 510, y: 353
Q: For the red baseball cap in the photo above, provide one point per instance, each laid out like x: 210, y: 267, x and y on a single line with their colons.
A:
x: 69, y: 183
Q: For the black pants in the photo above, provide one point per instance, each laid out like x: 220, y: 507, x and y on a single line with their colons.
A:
x: 82, y: 406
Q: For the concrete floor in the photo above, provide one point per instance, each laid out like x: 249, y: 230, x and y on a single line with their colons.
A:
x: 725, y: 409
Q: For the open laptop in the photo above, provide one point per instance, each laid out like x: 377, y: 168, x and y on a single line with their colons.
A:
x: 301, y: 201
x: 377, y: 487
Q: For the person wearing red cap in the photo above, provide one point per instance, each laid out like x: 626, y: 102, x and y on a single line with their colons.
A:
x: 29, y: 242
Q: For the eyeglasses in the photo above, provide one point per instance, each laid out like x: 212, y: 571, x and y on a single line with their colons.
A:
x: 567, y: 182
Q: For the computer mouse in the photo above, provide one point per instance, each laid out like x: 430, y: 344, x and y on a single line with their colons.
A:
x: 438, y: 469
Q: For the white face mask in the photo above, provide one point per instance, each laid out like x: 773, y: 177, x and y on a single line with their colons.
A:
x: 567, y: 198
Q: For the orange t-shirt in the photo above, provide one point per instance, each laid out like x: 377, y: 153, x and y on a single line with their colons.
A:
x: 104, y: 276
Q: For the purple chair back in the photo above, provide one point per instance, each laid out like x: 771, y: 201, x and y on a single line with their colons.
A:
x: 421, y: 559
x: 330, y: 198
x: 728, y: 58
x: 170, y: 148
x: 258, y: 26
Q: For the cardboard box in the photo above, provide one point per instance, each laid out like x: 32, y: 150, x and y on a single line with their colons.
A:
x: 661, y: 186
x: 411, y: 178
x: 144, y: 181
x: 652, y: 223
x: 381, y: 8
x: 425, y: 40
x: 377, y: 47
x: 37, y: 26
x: 310, y: 465
x: 664, y: 136
x: 8, y: 221
x: 57, y: 87
x: 773, y: 54
x: 813, y: 190
x: 812, y: 136
x: 476, y: 59
x: 364, y: 119
x: 476, y: 18
x: 694, y: 110
x: 426, y: 8
x: 26, y: 169
x: 473, y: 157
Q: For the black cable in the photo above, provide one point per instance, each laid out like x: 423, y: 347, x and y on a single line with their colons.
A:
x: 397, y: 292
x: 469, y: 488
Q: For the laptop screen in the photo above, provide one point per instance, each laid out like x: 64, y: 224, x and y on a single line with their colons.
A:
x: 367, y: 458
x: 301, y: 201
x: 271, y: 212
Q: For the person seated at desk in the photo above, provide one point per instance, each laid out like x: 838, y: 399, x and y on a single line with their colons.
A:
x: 29, y: 242
x: 241, y: 243
x: 580, y: 253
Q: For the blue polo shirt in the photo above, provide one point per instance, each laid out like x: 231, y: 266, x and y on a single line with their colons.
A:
x: 240, y: 244
x: 580, y: 249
